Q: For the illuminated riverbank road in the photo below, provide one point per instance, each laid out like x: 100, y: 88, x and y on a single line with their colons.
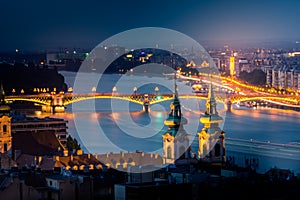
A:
x: 245, y: 92
x: 287, y: 151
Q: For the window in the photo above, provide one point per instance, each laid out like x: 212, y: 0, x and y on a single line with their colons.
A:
x: 169, y: 152
x: 4, y: 128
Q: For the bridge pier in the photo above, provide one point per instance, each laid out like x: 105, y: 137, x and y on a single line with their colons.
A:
x: 58, y: 109
x: 228, y: 106
x: 146, y: 104
x: 53, y: 109
x: 47, y: 108
x: 57, y: 104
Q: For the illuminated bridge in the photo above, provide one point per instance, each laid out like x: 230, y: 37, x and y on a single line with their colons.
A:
x: 57, y: 102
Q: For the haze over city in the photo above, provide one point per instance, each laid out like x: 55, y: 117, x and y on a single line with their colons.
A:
x: 42, y: 25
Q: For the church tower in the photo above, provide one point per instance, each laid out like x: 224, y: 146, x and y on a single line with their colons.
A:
x: 211, y: 138
x: 5, y: 124
x: 175, y: 140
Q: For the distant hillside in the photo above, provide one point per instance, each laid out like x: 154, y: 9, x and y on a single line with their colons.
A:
x: 18, y: 77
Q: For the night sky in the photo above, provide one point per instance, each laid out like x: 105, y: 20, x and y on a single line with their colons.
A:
x: 53, y: 24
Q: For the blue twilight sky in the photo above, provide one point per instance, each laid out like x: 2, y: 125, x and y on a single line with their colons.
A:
x: 51, y: 24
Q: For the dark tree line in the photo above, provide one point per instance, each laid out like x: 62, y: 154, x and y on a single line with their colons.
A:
x: 19, y: 76
x: 256, y: 77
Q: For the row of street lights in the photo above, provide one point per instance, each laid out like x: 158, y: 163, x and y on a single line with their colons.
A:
x: 135, y: 89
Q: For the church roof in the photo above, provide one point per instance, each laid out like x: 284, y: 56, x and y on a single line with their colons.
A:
x: 4, y: 109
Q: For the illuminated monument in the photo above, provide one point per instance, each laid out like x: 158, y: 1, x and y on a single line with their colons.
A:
x: 211, y: 137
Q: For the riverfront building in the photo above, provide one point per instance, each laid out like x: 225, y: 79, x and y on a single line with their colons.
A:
x: 22, y: 124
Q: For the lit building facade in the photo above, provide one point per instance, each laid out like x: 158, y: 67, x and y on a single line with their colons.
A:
x: 285, y: 77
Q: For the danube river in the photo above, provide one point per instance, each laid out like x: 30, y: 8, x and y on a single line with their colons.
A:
x: 106, y: 125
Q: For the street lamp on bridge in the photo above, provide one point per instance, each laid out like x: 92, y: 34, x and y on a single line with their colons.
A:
x: 156, y: 90
x: 114, y: 89
x: 134, y: 90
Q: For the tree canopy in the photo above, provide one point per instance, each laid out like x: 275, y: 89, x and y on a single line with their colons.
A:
x: 72, y: 144
x: 256, y: 77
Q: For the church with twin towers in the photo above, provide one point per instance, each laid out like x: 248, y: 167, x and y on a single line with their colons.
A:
x: 211, y: 139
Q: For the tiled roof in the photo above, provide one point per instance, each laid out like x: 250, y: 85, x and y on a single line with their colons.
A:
x: 138, y: 158
x: 37, y: 143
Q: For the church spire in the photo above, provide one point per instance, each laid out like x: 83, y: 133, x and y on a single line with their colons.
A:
x: 175, y: 118
x: 4, y: 109
x: 2, y: 94
x: 211, y: 137
x: 211, y: 115
x: 211, y: 104
x: 175, y: 140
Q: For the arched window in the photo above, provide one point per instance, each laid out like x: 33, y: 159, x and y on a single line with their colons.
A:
x: 169, y: 152
x: 5, y: 147
x: 4, y: 128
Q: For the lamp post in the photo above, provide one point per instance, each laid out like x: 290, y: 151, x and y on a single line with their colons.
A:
x: 94, y: 89
x: 134, y: 90
x: 114, y: 89
x: 156, y: 90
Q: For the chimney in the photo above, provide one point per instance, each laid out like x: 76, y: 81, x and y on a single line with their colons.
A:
x: 66, y: 153
x: 55, y: 158
x: 79, y: 152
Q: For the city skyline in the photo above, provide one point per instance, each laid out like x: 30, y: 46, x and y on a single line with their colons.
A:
x: 35, y: 25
